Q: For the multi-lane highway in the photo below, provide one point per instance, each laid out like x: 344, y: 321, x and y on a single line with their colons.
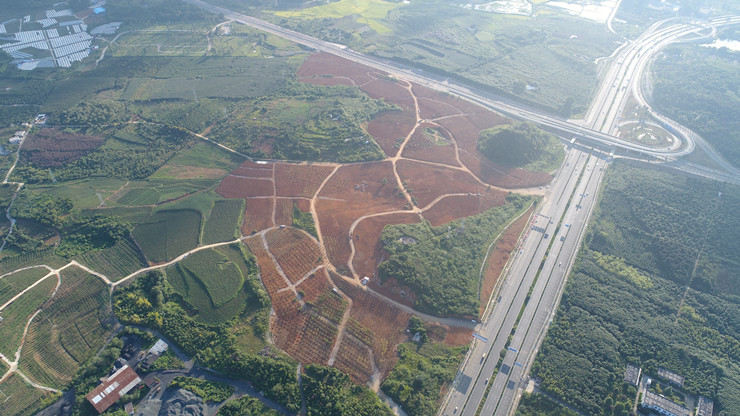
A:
x: 545, y: 256
x: 543, y: 236
x: 506, y: 106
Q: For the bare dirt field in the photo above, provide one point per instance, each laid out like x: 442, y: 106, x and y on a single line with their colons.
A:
x: 354, y: 191
x: 368, y: 248
x: 431, y: 143
x: 453, y: 207
x: 299, y: 180
x: 429, y: 182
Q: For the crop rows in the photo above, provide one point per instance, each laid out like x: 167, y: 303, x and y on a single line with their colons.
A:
x: 15, y: 283
x: 270, y: 276
x: 19, y: 398
x: 17, y: 314
x: 295, y: 252
x: 223, y: 223
x: 383, y: 319
x: 354, y: 359
x: 258, y: 215
x: 284, y: 211
x: 315, y: 341
x: 360, y: 331
x: 314, y: 286
x: 194, y: 292
x: 331, y: 306
x: 167, y: 234
x: 221, y: 278
x: 55, y: 347
x: 115, y: 262
x: 299, y: 180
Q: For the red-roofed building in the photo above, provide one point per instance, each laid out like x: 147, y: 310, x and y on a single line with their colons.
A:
x: 113, y: 388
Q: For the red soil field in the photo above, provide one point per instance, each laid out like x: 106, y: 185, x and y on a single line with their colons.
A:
x: 51, y: 148
x: 499, y: 256
x: 258, y: 215
x: 387, y: 322
x: 240, y: 187
x: 457, y: 336
x: 392, y: 91
x: 270, y: 277
x: 322, y: 63
x: 354, y: 191
x: 354, y: 359
x: 308, y: 339
x: 432, y: 108
x: 389, y: 126
x: 464, y: 131
x: 299, y: 180
x: 368, y: 248
x: 420, y: 147
x: 458, y: 206
x: 315, y: 285
x: 429, y: 182
x: 295, y: 252
x: 327, y: 81
x: 254, y: 170
x: 284, y: 211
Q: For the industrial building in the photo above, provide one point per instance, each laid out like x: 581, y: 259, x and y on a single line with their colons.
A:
x: 113, y: 388
x: 663, y: 406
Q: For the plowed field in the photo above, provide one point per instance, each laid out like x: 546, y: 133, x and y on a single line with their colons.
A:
x: 299, y: 180
x: 429, y: 182
x: 354, y: 191
x: 296, y: 253
x: 432, y: 144
x: 453, y: 207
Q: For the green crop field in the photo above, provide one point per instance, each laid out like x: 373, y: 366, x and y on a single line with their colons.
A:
x: 221, y: 277
x: 655, y: 285
x: 202, y: 161
x: 206, y: 275
x: 195, y: 293
x: 12, y: 284
x: 84, y: 194
x: 19, y: 398
x: 369, y: 12
x: 115, y: 262
x: 167, y: 234
x: 68, y: 331
x: 155, y: 191
x: 223, y: 223
x: 16, y: 315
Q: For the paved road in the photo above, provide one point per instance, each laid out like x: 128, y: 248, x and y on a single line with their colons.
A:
x: 470, y: 385
x: 500, y: 104
x: 546, y: 294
